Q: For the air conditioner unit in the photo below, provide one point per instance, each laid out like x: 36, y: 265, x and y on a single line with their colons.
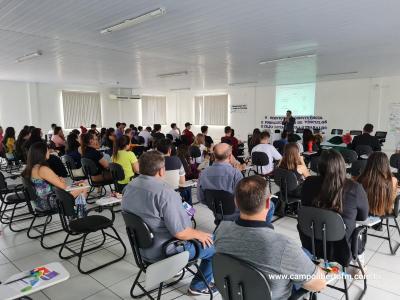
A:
x: 123, y: 94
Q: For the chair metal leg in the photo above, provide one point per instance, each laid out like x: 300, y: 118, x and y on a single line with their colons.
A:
x: 346, y: 291
x: 364, y: 278
x: 159, y: 291
x: 202, y: 278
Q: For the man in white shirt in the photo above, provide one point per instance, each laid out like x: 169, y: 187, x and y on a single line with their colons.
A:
x: 270, y: 150
x: 51, y: 131
x: 175, y: 132
x: 146, y: 134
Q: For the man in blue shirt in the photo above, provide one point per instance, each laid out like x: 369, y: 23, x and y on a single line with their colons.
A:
x: 221, y: 175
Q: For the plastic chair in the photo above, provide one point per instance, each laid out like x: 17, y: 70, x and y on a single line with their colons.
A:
x: 314, y: 164
x: 323, y: 229
x: 392, y: 216
x: 349, y: 157
x: 287, y: 182
x: 117, y: 173
x: 260, y: 160
x: 222, y: 204
x: 82, y: 227
x: 71, y: 166
x: 363, y: 151
x: 337, y: 131
x: 357, y: 167
x: 395, y: 163
x: 141, y: 237
x: 90, y: 169
x: 355, y: 132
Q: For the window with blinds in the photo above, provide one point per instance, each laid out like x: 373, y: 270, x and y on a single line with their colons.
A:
x: 154, y: 110
x: 81, y: 108
x: 211, y: 110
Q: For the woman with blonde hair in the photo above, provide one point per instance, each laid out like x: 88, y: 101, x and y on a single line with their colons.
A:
x: 199, y: 142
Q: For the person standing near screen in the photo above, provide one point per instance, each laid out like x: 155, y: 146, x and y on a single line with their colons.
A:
x: 288, y: 122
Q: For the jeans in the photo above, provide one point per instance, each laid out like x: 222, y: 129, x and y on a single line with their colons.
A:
x: 205, y: 267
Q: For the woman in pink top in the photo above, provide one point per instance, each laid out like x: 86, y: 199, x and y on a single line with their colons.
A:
x: 58, y: 137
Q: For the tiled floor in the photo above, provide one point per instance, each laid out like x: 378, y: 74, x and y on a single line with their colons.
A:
x: 18, y: 253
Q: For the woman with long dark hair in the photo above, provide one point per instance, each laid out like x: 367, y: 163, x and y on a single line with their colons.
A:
x: 379, y: 183
x: 255, y: 139
x: 125, y: 158
x: 23, y: 136
x: 89, y: 149
x: 43, y: 179
x: 72, y: 148
x: 333, y: 191
x: 9, y: 142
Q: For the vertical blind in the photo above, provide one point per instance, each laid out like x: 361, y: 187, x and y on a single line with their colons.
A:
x: 154, y: 110
x: 81, y: 108
x: 211, y: 109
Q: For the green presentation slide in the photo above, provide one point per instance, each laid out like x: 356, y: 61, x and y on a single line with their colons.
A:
x: 299, y: 98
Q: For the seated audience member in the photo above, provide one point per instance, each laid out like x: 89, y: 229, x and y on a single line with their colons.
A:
x: 293, y: 161
x: 83, y: 129
x: 268, y: 149
x: 221, y: 175
x: 51, y: 131
x: 94, y: 128
x: 89, y: 150
x: 199, y: 143
x: 252, y: 240
x: 292, y: 138
x: 36, y: 136
x: 231, y: 140
x: 160, y: 207
x: 208, y: 141
x: 309, y: 141
x: 206, y: 162
x: 102, y: 133
x: 146, y: 134
x: 55, y: 163
x: 175, y: 132
x: 119, y: 129
x: 255, y: 139
x: 366, y: 139
x: 157, y: 134
x: 188, y: 134
x: 125, y: 158
x: 58, y: 137
x: 72, y: 150
x: 174, y: 163
x: 183, y: 154
x: 139, y: 130
x: 23, y: 136
x: 332, y: 190
x: 379, y: 183
x: 9, y: 142
x: 108, y: 140
x: 134, y: 129
x: 43, y: 178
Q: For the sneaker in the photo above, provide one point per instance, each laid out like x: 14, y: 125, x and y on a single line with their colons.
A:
x: 205, y: 291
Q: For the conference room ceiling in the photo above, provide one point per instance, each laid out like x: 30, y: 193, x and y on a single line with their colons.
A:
x: 217, y: 42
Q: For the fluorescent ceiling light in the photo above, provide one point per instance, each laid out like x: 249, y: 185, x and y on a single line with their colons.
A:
x: 181, y: 89
x: 183, y: 73
x: 134, y: 21
x: 338, y: 74
x: 243, y: 83
x: 29, y: 56
x: 264, y: 62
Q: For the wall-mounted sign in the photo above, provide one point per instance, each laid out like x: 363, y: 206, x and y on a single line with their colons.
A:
x: 238, y: 108
x: 312, y: 122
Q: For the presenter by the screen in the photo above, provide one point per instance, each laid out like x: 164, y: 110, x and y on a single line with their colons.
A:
x: 288, y: 122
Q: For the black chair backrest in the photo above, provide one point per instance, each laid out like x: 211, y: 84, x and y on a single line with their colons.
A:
x: 3, y: 182
x: 259, y: 159
x: 279, y: 145
x: 69, y: 162
x: 29, y: 192
x: 299, y: 130
x: 395, y: 161
x: 358, y: 167
x: 396, y: 207
x: 194, y: 152
x: 349, y: 156
x: 66, y: 207
x: 320, y: 225
x: 337, y: 131
x: 169, y: 136
x: 277, y: 131
x: 117, y: 172
x: 314, y: 164
x: 238, y: 280
x: 221, y: 203
x: 285, y: 179
x: 355, y: 132
x: 381, y: 134
x: 139, y: 234
x: 89, y: 167
x: 363, y: 150
x: 139, y: 139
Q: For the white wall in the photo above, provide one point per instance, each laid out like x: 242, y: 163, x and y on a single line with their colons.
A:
x: 347, y: 104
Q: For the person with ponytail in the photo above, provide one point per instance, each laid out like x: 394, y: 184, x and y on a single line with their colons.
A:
x: 333, y: 191
x: 379, y: 183
x: 125, y: 158
x: 43, y: 178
